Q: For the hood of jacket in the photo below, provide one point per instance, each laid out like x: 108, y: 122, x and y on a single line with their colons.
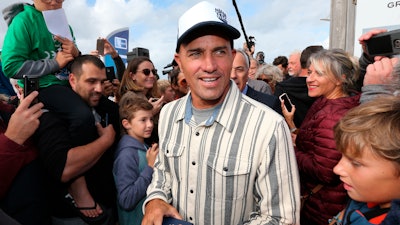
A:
x: 11, y: 11
x: 127, y: 141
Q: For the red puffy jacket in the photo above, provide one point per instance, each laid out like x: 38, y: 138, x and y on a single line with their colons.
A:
x: 317, y: 155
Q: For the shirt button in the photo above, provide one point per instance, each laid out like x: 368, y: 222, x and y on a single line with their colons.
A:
x: 167, y: 151
x: 197, y: 133
x: 190, y: 218
x: 225, y: 169
x: 193, y: 163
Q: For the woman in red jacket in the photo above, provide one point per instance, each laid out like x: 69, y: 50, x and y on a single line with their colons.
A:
x: 331, y: 76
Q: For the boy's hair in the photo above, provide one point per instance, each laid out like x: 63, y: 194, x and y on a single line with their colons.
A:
x: 163, y: 85
x: 374, y: 125
x: 130, y: 105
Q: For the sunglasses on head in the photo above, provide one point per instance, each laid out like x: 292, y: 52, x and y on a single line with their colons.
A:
x: 147, y: 72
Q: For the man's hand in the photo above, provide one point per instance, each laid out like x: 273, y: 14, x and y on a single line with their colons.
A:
x: 156, y: 210
x: 380, y: 72
x: 365, y: 37
x: 107, y: 134
x: 25, y: 120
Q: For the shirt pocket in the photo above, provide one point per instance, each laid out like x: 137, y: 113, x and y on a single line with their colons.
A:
x: 173, y: 154
x: 227, y: 178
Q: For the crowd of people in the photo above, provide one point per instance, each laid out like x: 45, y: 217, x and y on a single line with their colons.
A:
x: 216, y: 143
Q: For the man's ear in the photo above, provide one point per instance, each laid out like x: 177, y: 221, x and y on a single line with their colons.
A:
x: 178, y: 61
x: 72, y: 80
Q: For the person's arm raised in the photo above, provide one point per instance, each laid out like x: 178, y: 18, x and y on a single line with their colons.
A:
x: 82, y: 158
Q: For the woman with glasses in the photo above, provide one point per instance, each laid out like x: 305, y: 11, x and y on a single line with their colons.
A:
x: 140, y: 80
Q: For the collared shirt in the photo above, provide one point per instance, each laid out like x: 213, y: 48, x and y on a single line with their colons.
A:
x: 240, y: 168
x: 246, y: 87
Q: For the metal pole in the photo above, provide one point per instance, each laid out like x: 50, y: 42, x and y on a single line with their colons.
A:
x: 342, y: 26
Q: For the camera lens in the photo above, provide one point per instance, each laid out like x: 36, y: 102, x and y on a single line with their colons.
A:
x: 396, y: 43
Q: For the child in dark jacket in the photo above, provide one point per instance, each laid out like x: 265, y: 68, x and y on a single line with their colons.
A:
x: 369, y: 138
x: 134, y: 160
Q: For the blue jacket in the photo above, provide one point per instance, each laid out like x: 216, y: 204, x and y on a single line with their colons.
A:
x: 5, y: 84
x: 355, y: 211
x: 132, y: 177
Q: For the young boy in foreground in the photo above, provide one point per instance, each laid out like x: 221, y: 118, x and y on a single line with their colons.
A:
x: 369, y: 138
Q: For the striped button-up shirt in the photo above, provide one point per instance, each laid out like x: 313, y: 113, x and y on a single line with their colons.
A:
x: 238, y: 167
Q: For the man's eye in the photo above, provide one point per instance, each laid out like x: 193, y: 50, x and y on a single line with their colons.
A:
x: 194, y: 54
x: 220, y: 52
x: 239, y: 69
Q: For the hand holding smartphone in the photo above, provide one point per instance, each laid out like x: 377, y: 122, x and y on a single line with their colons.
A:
x: 288, y: 104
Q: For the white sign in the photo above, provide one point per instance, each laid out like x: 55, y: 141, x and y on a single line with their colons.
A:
x: 375, y: 14
x: 57, y: 23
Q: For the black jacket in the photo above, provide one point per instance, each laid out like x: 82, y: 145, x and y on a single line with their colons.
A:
x: 269, y: 100
x: 297, y: 90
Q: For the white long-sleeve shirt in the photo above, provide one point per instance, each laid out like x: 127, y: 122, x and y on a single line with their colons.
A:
x: 238, y: 167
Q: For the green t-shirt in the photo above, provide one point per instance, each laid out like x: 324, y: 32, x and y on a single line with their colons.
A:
x: 27, y: 48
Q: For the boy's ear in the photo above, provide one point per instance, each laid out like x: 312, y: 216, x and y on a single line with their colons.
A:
x: 126, y: 124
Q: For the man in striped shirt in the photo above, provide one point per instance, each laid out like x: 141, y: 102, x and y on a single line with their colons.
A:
x: 224, y: 158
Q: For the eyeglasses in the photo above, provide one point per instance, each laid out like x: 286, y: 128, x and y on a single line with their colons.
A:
x: 147, y: 72
x: 49, y: 1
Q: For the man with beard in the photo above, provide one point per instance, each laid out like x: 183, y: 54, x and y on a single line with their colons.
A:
x: 89, y: 166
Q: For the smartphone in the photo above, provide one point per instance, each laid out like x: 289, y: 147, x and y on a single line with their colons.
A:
x: 104, y: 120
x: 173, y: 221
x: 288, y: 104
x: 100, y: 46
x: 30, y: 85
x: 110, y: 73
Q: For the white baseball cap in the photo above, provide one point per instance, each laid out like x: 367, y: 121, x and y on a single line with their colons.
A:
x: 204, y: 14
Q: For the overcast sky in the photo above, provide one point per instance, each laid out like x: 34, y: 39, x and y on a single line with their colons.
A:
x: 279, y: 26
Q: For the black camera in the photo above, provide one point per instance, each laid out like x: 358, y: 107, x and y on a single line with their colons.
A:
x: 384, y: 44
x: 252, y: 41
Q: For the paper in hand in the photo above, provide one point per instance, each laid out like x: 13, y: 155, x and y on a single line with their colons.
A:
x: 57, y: 24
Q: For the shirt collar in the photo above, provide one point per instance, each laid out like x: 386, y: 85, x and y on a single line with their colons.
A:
x: 225, y: 114
x: 246, y: 87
